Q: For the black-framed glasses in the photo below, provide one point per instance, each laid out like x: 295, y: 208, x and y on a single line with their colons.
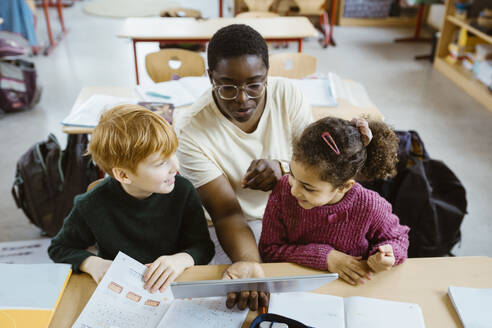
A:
x: 253, y: 90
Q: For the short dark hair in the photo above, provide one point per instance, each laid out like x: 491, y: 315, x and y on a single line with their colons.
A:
x: 377, y: 160
x: 234, y: 41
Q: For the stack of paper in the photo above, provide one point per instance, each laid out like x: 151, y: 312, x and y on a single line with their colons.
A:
x: 30, y: 293
x: 473, y: 305
x: 25, y: 251
x: 182, y: 92
x: 319, y: 92
x: 89, y: 112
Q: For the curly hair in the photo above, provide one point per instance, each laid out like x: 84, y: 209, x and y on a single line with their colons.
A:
x: 234, y: 41
x: 377, y: 160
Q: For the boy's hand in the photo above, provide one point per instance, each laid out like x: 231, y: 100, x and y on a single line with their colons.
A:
x: 165, y: 270
x: 262, y: 174
x: 382, y: 260
x: 96, y: 267
x: 351, y: 269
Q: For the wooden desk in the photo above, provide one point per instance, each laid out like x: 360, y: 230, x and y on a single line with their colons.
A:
x: 345, y: 108
x: 174, y: 30
x: 422, y: 281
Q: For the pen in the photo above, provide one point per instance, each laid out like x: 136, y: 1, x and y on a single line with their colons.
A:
x: 155, y: 94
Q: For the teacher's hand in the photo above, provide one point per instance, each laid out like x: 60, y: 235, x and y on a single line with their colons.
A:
x: 262, y: 174
x: 253, y: 298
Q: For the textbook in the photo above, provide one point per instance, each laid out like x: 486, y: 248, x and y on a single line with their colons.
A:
x: 473, y: 305
x: 327, y: 311
x: 30, y: 293
x: 120, y: 300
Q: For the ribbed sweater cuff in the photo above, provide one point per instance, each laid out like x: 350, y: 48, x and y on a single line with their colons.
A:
x: 320, y: 257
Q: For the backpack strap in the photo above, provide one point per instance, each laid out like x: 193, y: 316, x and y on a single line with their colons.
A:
x: 272, y: 317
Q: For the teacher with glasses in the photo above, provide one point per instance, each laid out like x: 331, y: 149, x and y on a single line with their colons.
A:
x: 235, y: 144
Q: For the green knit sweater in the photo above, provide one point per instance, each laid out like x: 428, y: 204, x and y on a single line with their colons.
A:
x: 161, y: 224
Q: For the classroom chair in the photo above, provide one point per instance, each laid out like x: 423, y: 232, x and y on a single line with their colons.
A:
x: 167, y: 64
x: 181, y: 12
x: 256, y: 14
x: 420, y: 17
x: 434, y: 21
x: 258, y: 5
x: 292, y: 65
x: 317, y: 8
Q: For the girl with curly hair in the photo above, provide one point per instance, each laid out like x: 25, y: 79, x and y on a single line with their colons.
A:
x: 319, y: 216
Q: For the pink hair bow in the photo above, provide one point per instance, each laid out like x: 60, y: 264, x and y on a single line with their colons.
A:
x: 364, y: 129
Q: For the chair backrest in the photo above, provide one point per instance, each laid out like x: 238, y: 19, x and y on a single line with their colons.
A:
x: 256, y: 14
x: 436, y: 16
x: 162, y: 65
x: 181, y: 12
x: 258, y: 5
x: 292, y: 65
x: 310, y: 7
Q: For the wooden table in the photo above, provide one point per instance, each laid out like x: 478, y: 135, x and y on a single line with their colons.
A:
x: 422, y: 281
x: 345, y: 108
x: 175, y: 30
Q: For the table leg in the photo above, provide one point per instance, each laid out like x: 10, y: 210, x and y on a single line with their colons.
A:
x: 59, y: 8
x: 48, y: 25
x: 416, y: 34
x: 299, y: 45
x: 135, y: 57
x: 221, y: 8
x: 333, y: 13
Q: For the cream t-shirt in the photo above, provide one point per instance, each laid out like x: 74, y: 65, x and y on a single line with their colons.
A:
x: 210, y: 145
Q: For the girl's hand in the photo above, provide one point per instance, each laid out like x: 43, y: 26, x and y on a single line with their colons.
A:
x: 165, y: 270
x: 351, y: 269
x: 96, y: 267
x: 382, y: 260
x: 262, y: 174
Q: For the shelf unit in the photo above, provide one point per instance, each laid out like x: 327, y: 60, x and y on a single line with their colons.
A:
x: 456, y: 73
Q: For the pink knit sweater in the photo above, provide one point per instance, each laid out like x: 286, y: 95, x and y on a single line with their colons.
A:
x: 357, y: 225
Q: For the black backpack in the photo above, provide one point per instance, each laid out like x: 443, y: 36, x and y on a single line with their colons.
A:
x: 427, y: 196
x: 47, y: 179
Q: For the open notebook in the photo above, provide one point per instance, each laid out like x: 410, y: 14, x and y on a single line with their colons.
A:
x: 473, y: 305
x: 120, y: 301
x: 326, y: 311
x: 30, y: 293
